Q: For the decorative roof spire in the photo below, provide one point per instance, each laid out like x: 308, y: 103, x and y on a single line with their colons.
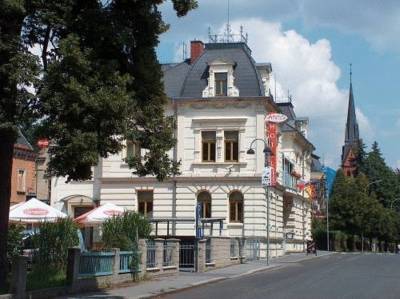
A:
x: 352, y: 132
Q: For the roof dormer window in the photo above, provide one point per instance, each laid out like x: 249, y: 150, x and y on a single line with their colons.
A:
x: 221, y: 84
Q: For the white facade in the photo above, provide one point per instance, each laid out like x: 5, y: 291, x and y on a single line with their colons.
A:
x: 114, y: 182
x: 234, y: 185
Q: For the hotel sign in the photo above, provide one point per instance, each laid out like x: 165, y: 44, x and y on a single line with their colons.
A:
x: 276, y: 118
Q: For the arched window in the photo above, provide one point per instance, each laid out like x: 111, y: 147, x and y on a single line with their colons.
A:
x: 236, y: 207
x: 204, y: 198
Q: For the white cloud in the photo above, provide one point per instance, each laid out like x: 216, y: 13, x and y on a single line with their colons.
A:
x: 307, y: 69
x: 367, y: 131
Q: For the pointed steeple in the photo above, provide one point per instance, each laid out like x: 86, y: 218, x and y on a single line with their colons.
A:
x: 352, y: 135
x: 352, y: 132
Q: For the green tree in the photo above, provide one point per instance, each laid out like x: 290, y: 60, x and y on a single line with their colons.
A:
x: 361, y: 157
x: 381, y: 177
x: 86, y: 115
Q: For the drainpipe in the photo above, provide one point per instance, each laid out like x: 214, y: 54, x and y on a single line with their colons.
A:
x: 175, y: 158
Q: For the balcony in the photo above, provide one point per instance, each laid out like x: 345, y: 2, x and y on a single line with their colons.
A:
x: 289, y: 181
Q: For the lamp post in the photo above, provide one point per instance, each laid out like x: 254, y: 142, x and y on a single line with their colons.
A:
x: 267, y: 152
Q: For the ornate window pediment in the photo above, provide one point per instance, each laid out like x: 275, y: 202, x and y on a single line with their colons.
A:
x: 220, y: 79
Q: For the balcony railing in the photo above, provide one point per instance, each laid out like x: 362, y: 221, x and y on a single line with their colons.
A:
x: 289, y: 180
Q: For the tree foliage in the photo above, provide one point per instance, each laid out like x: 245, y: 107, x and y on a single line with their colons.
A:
x: 15, y: 241
x: 383, y: 181
x: 95, y: 82
x: 366, y: 205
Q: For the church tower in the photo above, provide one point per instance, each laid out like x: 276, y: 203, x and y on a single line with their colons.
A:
x: 352, y: 137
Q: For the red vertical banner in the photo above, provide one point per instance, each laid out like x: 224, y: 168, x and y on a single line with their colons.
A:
x: 272, y: 136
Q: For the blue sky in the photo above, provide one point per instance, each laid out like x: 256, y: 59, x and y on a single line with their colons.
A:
x: 310, y: 44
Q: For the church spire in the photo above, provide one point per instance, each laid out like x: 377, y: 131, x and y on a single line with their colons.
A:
x: 352, y: 132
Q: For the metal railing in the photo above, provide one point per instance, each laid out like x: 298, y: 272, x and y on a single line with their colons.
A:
x: 167, y: 253
x: 126, y: 261
x: 208, y: 251
x: 96, y: 263
x: 186, y: 256
x: 151, y: 254
x: 289, y: 180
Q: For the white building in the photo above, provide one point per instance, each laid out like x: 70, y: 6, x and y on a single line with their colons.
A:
x: 219, y: 98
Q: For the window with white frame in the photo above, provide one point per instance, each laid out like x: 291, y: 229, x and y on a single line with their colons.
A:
x: 208, y: 142
x: 21, y: 180
x: 231, y: 146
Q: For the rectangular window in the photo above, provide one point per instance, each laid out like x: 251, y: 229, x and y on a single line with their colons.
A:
x: 132, y: 149
x: 221, y: 84
x: 145, y: 202
x: 208, y: 145
x: 231, y: 146
x: 21, y: 178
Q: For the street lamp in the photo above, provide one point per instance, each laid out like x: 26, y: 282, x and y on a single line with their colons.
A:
x: 267, y: 152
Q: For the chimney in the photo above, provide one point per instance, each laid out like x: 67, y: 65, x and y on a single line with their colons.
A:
x: 196, y: 49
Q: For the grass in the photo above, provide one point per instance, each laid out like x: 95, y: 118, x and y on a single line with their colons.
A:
x: 46, y: 278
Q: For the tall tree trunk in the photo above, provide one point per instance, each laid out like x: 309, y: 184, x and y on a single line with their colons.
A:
x: 7, y: 140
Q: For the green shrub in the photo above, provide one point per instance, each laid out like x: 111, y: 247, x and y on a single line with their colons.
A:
x: 53, y: 241
x: 122, y: 232
x: 14, y: 241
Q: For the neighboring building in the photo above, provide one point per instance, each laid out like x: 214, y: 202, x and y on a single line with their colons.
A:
x: 23, y: 171
x: 219, y: 98
x: 295, y: 165
x: 352, y: 138
x: 317, y: 188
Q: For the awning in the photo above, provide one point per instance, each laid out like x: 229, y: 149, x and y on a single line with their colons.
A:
x: 99, y: 215
x: 34, y: 211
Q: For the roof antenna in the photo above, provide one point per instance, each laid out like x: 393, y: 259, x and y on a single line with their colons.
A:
x: 228, y: 25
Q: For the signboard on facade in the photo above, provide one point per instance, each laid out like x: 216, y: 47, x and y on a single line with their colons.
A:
x: 276, y: 118
x: 266, y: 177
x: 272, y: 135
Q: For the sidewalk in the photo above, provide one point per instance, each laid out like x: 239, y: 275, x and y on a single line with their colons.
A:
x: 183, y: 280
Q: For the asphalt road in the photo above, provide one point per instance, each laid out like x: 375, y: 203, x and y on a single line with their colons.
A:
x: 335, y: 276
